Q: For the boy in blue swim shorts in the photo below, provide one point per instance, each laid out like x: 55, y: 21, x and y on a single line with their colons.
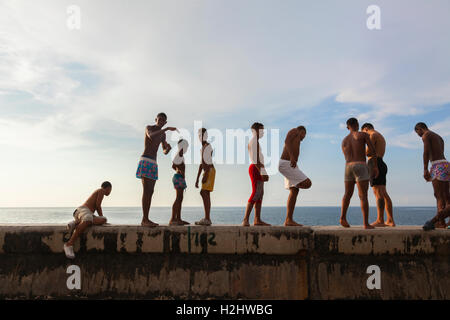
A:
x: 179, y: 183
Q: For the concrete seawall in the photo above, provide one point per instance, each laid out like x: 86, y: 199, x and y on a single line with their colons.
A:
x: 131, y: 262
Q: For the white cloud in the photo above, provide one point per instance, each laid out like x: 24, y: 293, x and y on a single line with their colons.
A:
x: 186, y: 59
x: 411, y: 140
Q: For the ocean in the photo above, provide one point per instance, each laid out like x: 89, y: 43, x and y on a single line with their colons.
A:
x: 312, y: 216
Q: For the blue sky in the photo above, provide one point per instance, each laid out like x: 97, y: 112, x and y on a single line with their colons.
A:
x: 74, y: 103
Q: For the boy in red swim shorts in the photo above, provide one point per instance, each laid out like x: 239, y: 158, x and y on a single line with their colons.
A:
x: 258, y: 176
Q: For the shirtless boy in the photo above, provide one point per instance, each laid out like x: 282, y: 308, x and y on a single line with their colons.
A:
x: 379, y: 184
x: 84, y: 216
x: 209, y: 175
x: 179, y: 183
x: 294, y: 178
x: 439, y: 173
x: 147, y: 169
x: 357, y: 170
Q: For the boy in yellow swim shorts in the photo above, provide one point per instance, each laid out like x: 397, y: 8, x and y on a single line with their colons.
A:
x: 209, y: 175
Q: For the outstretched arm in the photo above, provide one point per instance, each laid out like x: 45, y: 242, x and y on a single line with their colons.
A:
x: 152, y: 131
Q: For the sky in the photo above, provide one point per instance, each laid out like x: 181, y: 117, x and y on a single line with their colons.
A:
x: 74, y: 103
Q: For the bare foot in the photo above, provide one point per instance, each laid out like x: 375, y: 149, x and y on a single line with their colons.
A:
x: 369, y: 227
x: 378, y: 224
x: 260, y: 223
x: 344, y: 223
x: 292, y: 223
x: 148, y: 223
x: 390, y: 224
x: 174, y: 223
x: 183, y: 222
x: 245, y: 223
x: 440, y: 224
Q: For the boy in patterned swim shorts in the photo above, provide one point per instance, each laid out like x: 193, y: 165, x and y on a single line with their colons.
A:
x: 179, y: 183
x: 147, y: 170
x: 439, y: 173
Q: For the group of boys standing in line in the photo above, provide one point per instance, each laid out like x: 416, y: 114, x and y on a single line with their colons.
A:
x: 355, y: 147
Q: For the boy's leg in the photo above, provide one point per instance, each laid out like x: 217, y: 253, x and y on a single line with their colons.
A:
x: 349, y: 188
x: 148, y: 188
x: 292, y: 199
x: 206, y: 203
x: 363, y: 187
x: 78, y: 231
x: 173, y: 218
x: 389, y: 209
x: 440, y: 192
x: 379, y: 196
x: 258, y: 221
x: 176, y: 208
x: 248, y: 210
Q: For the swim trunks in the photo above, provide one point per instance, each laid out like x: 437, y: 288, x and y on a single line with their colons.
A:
x: 440, y: 170
x: 83, y: 214
x: 356, y: 171
x: 147, y: 168
x: 178, y: 181
x: 382, y: 173
x: 209, y: 184
x: 257, y: 184
x: 292, y: 176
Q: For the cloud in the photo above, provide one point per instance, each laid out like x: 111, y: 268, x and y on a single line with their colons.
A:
x: 187, y: 60
x: 50, y: 134
x: 410, y: 140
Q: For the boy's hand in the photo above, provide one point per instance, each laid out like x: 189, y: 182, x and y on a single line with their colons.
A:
x: 293, y: 163
x: 375, y: 173
x: 265, y: 178
x: 172, y: 129
x: 427, y: 175
x: 196, y: 184
x: 167, y: 149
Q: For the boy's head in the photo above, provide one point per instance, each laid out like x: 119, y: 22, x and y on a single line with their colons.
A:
x: 161, y: 119
x: 258, y: 129
x: 302, y: 131
x: 353, y: 124
x: 202, y: 134
x: 182, y: 146
x: 366, y: 127
x: 107, y: 186
x: 420, y: 128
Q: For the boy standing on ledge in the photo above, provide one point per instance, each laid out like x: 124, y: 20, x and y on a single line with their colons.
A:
x: 209, y: 175
x: 84, y: 216
x: 179, y: 183
x: 147, y: 169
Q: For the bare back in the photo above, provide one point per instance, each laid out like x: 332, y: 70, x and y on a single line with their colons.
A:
x: 435, y: 145
x: 291, y: 145
x: 92, y: 201
x: 354, y: 147
x: 152, y: 144
x: 378, y: 142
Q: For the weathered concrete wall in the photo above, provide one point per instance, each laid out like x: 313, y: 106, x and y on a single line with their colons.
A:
x: 225, y: 262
